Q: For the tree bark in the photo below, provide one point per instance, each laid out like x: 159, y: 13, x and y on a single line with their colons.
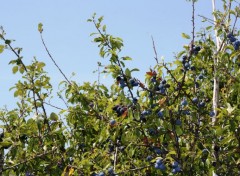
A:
x: 215, y: 98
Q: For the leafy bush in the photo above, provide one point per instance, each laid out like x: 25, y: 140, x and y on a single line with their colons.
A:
x: 163, y: 125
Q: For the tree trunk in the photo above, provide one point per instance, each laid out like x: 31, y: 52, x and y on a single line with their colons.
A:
x: 215, y: 99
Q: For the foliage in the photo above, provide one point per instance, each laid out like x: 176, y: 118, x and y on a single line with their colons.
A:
x: 159, y: 126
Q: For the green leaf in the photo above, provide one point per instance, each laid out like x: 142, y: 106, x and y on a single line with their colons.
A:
x: 41, y: 64
x: 40, y: 29
x: 127, y: 58
x: 21, y: 69
x: 6, y: 144
x: 53, y: 116
x: 230, y: 109
x: 128, y: 73
x: 15, y: 69
x: 135, y: 69
x: 179, y: 131
x: 100, y: 19
x: 1, y: 48
x: 209, y: 27
x: 185, y: 36
x: 104, y: 28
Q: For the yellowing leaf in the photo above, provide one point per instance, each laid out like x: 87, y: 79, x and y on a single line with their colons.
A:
x: 151, y: 73
x: 1, y: 48
x: 71, y: 171
x: 40, y: 29
x: 125, y: 114
x: 15, y: 69
x: 162, y: 101
x: 68, y: 171
x: 185, y: 36
x: 230, y: 109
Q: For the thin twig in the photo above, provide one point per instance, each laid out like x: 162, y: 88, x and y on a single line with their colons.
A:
x: 118, y: 62
x: 235, y: 22
x: 155, y: 51
x: 193, y: 22
x: 208, y: 19
x: 132, y: 170
x: 32, y: 82
x: 27, y: 160
x: 115, y: 158
x: 49, y: 54
x: 53, y: 106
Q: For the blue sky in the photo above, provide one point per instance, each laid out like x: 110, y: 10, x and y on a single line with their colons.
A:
x: 66, y: 33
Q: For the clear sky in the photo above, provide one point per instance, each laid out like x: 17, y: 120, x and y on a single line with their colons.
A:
x: 66, y: 33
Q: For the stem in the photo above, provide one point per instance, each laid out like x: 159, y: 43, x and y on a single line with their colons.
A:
x: 155, y: 51
x: 118, y: 62
x: 216, y: 79
x: 132, y: 170
x: 193, y: 22
x: 49, y: 54
x: 1, y: 155
x: 214, y: 19
x: 1, y: 161
x: 32, y: 82
x: 27, y: 160
x: 115, y: 158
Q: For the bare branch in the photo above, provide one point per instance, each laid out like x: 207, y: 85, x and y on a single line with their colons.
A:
x: 49, y: 54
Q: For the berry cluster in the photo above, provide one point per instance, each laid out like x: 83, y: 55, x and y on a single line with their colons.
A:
x: 121, y: 81
x: 196, y: 49
x: 186, y: 63
x: 160, y: 165
x: 163, y: 86
x: 234, y: 41
x: 119, y: 109
x: 133, y: 82
x: 144, y: 114
x: 176, y: 167
x: 110, y: 172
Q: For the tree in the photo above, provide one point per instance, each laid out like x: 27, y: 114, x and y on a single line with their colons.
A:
x: 160, y: 126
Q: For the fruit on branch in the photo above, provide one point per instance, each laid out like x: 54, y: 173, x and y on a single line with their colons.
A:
x: 111, y: 171
x: 200, y: 76
x: 201, y: 104
x: 184, y: 102
x: 178, y: 122
x: 160, y: 114
x: 101, y: 174
x: 186, y: 112
x: 176, y: 167
x: 212, y: 114
x: 160, y: 165
x: 135, y: 100
x: 112, y: 122
x: 133, y: 82
x: 119, y: 109
x: 231, y: 37
x: 196, y: 50
x: 149, y: 158
x: 234, y: 41
x: 195, y: 100
x: 236, y: 45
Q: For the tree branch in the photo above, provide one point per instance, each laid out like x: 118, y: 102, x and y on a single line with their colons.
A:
x: 49, y: 54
